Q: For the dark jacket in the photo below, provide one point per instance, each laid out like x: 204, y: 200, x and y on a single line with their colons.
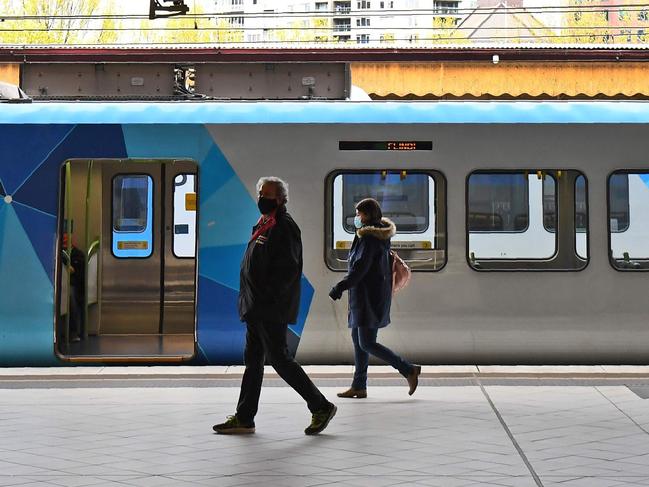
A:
x: 369, y: 279
x: 271, y: 271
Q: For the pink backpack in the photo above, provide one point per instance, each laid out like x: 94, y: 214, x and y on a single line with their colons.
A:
x: 400, y: 273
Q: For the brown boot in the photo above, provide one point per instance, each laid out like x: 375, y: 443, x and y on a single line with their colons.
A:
x: 413, y: 379
x: 351, y: 392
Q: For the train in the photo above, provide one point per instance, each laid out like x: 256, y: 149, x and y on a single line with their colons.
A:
x: 122, y: 226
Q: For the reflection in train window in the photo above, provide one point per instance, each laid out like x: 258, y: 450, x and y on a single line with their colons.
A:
x: 403, y: 199
x: 130, y: 202
x: 498, y: 203
x: 581, y: 217
x: 618, y: 194
x: 513, y: 206
x: 132, y: 207
x: 549, y: 204
x: 184, y: 215
x: 513, y: 217
x: 628, y: 201
x: 411, y: 199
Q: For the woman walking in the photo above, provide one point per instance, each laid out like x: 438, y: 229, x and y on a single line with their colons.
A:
x: 369, y: 282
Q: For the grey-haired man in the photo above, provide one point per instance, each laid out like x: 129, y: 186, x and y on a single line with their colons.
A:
x: 269, y: 299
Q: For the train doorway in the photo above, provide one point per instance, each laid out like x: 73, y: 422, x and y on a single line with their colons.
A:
x: 126, y: 273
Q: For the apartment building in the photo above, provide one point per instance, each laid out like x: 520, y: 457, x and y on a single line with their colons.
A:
x: 348, y: 21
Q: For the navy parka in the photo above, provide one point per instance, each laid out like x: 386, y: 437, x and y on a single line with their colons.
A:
x: 369, y: 279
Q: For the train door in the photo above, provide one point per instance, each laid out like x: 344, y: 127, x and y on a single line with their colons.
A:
x: 133, y: 279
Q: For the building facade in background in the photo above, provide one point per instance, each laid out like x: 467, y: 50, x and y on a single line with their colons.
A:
x: 349, y: 21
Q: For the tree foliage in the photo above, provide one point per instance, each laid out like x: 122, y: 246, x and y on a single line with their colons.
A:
x: 55, y: 25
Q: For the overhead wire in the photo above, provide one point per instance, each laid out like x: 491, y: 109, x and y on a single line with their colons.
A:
x: 386, y: 12
x: 563, y: 31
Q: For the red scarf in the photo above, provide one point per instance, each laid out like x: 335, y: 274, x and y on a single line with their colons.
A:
x: 264, y: 225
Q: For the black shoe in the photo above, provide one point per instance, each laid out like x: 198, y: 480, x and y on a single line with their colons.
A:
x: 233, y: 426
x: 320, y: 420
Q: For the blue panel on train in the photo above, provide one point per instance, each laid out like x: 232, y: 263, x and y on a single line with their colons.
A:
x: 41, y: 230
x: 84, y: 142
x: 222, y: 193
x: 160, y: 141
x: 22, y: 153
x: 26, y: 298
x: 221, y: 335
x: 221, y: 264
x: 216, y: 173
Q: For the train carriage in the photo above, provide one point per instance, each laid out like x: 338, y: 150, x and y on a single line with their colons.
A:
x: 122, y: 227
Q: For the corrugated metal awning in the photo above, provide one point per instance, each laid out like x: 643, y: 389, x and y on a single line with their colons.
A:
x: 506, y: 79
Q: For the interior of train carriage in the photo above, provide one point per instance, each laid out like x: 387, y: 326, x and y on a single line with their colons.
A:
x: 126, y: 266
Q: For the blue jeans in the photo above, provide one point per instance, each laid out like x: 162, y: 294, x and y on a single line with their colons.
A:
x: 365, y: 344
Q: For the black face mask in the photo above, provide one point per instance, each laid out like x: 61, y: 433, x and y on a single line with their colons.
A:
x: 266, y: 205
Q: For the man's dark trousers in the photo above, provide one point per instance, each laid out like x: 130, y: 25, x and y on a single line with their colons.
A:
x: 269, y: 340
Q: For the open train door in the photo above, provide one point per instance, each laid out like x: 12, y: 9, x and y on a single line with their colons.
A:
x: 127, y: 271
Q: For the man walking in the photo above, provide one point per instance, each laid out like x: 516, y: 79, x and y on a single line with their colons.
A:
x: 269, y: 299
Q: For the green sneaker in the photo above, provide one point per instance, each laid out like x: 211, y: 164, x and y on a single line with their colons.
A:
x: 320, y: 420
x: 233, y: 426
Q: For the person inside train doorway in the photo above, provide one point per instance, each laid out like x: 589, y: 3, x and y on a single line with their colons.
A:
x: 369, y: 282
x: 269, y: 299
x: 77, y: 283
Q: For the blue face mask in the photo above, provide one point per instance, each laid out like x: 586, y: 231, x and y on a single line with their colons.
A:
x: 357, y: 222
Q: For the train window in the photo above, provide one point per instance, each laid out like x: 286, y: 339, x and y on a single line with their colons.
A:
x: 132, y: 208
x: 498, y: 203
x: 581, y: 217
x: 628, y: 200
x: 184, y: 215
x: 549, y: 204
x: 130, y: 203
x: 513, y: 218
x: 618, y: 196
x: 403, y: 199
x: 412, y: 199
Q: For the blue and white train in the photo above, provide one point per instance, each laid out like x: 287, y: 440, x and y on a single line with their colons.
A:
x: 122, y: 225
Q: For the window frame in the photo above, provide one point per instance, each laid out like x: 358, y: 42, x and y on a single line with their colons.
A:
x: 149, y: 180
x: 440, y: 242
x: 151, y: 222
x: 173, y: 217
x: 535, y: 262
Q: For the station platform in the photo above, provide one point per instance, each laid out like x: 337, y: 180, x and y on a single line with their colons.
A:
x: 464, y: 426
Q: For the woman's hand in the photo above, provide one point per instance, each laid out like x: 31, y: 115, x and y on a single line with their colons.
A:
x: 335, y: 293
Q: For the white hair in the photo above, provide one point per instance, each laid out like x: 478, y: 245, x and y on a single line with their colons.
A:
x: 282, y: 186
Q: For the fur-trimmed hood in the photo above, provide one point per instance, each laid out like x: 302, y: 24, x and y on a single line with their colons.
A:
x: 386, y: 231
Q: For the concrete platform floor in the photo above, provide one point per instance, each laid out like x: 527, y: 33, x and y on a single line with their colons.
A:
x: 465, y: 426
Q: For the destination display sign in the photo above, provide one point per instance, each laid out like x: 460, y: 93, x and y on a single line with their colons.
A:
x: 385, y: 145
